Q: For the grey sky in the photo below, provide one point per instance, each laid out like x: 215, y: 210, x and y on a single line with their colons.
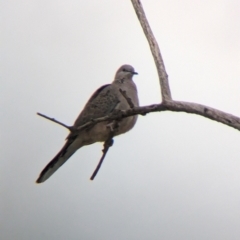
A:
x: 175, y: 176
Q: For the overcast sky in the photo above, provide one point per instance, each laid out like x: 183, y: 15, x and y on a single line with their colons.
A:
x: 175, y: 176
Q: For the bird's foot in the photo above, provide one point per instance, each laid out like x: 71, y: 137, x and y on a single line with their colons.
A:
x: 112, y: 126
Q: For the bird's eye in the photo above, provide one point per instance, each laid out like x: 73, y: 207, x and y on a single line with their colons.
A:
x: 124, y: 70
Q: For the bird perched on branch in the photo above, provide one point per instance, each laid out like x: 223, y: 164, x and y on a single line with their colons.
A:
x: 103, y: 102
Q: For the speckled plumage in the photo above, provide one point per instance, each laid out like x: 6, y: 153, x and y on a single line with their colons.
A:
x: 104, y: 100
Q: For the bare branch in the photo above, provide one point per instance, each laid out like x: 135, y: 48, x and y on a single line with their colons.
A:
x: 162, y: 74
x: 177, y: 106
x: 168, y: 103
x: 174, y: 106
x: 54, y: 120
x: 205, y: 111
x: 107, y: 144
x: 194, y: 108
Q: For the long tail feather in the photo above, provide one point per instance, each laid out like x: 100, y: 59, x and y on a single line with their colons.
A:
x: 65, y: 153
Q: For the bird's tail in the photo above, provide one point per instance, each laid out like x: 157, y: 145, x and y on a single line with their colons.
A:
x: 65, y: 153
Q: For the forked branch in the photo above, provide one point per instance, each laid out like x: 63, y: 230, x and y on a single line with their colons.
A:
x: 168, y: 103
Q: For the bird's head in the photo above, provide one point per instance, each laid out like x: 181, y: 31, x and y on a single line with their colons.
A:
x: 125, y: 71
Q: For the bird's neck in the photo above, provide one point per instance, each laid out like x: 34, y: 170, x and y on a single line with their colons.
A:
x: 122, y: 80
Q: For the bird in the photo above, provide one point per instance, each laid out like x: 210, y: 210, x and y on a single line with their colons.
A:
x: 103, y: 101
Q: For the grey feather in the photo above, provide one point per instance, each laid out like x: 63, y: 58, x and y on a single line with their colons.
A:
x: 101, y: 103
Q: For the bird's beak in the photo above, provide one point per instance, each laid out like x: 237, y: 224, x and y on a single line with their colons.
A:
x: 134, y: 73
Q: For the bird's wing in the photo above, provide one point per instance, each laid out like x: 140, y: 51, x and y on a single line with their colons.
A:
x: 101, y: 103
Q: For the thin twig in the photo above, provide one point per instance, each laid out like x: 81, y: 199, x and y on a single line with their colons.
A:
x: 54, y: 120
x: 107, y: 144
x: 128, y: 99
x: 162, y: 74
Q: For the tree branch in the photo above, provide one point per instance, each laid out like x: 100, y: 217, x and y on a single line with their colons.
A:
x: 174, y: 106
x: 168, y: 103
x: 162, y: 74
x: 107, y: 144
x: 194, y: 108
x: 54, y: 120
